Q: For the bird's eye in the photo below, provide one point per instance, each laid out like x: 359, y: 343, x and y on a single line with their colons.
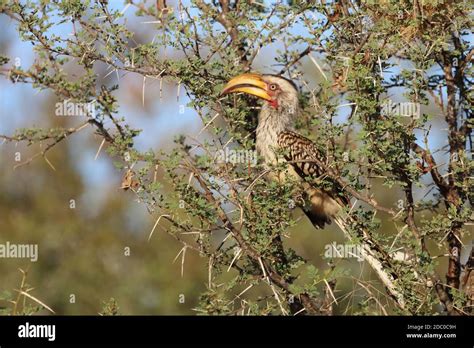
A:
x: 273, y: 87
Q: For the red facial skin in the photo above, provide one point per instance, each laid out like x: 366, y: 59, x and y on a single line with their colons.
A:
x: 273, y: 93
x: 273, y: 103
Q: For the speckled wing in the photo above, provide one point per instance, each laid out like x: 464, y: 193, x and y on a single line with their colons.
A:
x: 298, y: 150
x: 302, y: 154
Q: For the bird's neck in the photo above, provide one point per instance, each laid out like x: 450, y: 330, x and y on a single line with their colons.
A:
x: 271, y: 122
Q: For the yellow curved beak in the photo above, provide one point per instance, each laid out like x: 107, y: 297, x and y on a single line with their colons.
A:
x: 248, y: 83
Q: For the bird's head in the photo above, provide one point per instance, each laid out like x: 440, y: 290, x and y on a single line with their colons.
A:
x: 279, y: 92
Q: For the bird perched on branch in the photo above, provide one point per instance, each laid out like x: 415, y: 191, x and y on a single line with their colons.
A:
x: 306, y: 163
x: 275, y: 131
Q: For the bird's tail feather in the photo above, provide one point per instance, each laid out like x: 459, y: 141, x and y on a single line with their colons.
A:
x: 322, y: 207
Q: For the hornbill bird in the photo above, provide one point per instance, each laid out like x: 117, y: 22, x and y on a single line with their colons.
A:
x: 275, y: 131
